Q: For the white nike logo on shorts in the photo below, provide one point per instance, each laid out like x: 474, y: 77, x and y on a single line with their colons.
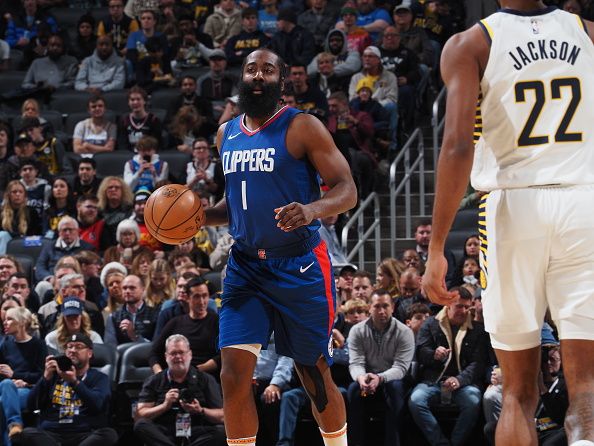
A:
x: 234, y: 136
x: 302, y: 269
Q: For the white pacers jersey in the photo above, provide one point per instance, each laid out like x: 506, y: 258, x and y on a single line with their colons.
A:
x: 537, y: 102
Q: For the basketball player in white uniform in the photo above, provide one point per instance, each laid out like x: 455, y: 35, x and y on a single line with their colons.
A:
x: 531, y: 69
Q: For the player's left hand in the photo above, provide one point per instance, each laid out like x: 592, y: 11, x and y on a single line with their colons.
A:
x: 434, y: 284
x: 293, y: 216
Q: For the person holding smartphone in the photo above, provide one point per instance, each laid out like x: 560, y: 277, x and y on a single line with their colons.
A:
x: 145, y: 169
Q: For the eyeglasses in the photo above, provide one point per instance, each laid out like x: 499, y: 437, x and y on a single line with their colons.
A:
x: 76, y: 347
x: 67, y: 229
x: 178, y: 353
x: 201, y: 148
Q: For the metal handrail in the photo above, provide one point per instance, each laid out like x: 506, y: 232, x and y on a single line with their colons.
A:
x: 437, y: 125
x: 362, y: 234
x: 396, y: 189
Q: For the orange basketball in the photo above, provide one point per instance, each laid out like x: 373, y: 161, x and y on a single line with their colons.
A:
x: 173, y: 214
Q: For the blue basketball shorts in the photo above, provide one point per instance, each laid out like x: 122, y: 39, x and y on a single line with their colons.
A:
x: 292, y: 296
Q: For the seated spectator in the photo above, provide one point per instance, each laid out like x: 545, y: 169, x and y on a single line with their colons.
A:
x: 180, y: 391
x: 344, y: 284
x: 362, y: 285
x: 141, y: 264
x: 95, y: 134
x: 135, y: 321
x: 250, y: 38
x: 117, y: 25
x: 90, y: 265
x: 31, y: 109
x: 309, y: 98
x: 17, y: 219
x: 52, y: 72
x: 60, y: 203
x: 49, y: 289
x: 11, y: 169
x: 70, y: 285
x: 85, y: 42
x: 346, y: 62
x: 112, y: 276
x: 128, y: 244
x: 325, y: 78
x: 223, y: 23
x: 357, y: 38
x: 231, y: 109
x: 200, y: 326
x: 177, y: 306
x: 160, y: 284
x: 37, y: 46
x: 138, y: 123
x: 154, y: 70
x: 423, y: 238
x: 355, y: 311
x: 145, y: 169
x: 188, y: 125
x: 451, y: 350
x: 188, y: 96
x: 80, y: 395
x: 369, y: 17
x: 267, y: 15
x: 200, y: 172
x: 6, y: 149
x: 385, y: 85
x: 387, y: 276
x: 352, y: 132
x: 86, y: 182
x: 294, y: 43
x: 409, y: 285
x: 380, y: 353
x: 364, y: 102
x: 417, y: 315
x: 6, y: 304
x: 440, y: 22
x: 48, y: 148
x: 136, y: 44
x: 415, y: 39
x: 90, y: 226
x: 72, y: 320
x: 101, y: 71
x: 23, y: 27
x: 115, y: 204
x: 412, y: 259
x: 9, y: 265
x: 134, y: 8
x: 218, y: 83
x: 18, y: 285
x: 38, y: 189
x: 67, y: 243
x: 185, y: 47
x: 21, y: 365
x: 319, y: 19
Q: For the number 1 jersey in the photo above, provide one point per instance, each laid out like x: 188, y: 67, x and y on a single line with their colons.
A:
x: 260, y: 176
x: 535, y: 123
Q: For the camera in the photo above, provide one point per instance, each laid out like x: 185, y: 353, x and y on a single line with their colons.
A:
x: 186, y: 395
x: 64, y: 363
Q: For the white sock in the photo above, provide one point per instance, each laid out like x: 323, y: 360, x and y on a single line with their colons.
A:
x: 582, y: 443
x: 248, y: 441
x: 338, y: 438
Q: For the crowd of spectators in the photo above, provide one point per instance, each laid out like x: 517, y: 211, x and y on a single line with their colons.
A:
x: 100, y: 278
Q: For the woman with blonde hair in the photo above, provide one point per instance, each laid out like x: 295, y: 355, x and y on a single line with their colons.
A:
x: 16, y: 218
x: 31, y: 109
x: 112, y: 283
x: 22, y: 361
x: 141, y: 265
x: 116, y: 204
x: 387, y: 276
x: 73, y: 319
x: 160, y: 285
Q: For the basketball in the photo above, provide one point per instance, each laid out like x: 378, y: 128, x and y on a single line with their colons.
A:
x: 173, y: 214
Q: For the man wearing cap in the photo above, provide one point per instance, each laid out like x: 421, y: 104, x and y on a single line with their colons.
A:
x: 357, y: 38
x: 180, y: 401
x: 23, y: 149
x: 217, y: 84
x: 146, y: 239
x: 38, y: 189
x: 346, y: 62
x: 223, y: 23
x: 294, y: 43
x: 48, y: 149
x: 344, y: 284
x: 370, y: 18
x: 249, y: 39
x: 73, y: 403
x: 54, y: 71
x: 414, y: 37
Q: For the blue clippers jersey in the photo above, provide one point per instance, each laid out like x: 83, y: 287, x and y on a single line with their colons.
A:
x: 260, y: 176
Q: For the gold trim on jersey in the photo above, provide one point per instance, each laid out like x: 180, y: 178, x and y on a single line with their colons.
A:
x: 478, y: 121
x: 483, y: 239
x: 580, y: 22
x: 488, y: 28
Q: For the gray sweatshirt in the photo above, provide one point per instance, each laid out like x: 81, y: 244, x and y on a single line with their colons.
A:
x: 391, y: 360
x: 105, y: 75
x: 59, y: 74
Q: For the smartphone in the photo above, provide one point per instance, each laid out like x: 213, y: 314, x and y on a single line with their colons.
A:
x: 64, y: 363
x: 147, y: 158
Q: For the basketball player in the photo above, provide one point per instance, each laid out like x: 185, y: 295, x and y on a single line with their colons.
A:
x: 531, y: 67
x: 279, y: 274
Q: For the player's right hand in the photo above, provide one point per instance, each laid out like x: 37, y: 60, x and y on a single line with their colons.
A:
x: 293, y: 216
x: 434, y: 283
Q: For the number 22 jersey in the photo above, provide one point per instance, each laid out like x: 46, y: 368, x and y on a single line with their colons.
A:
x: 535, y: 116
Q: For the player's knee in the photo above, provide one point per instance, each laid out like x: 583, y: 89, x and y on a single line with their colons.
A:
x: 313, y: 383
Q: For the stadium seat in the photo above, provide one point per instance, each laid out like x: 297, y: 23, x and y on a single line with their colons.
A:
x: 160, y: 113
x: 27, y: 246
x: 67, y: 18
x: 177, y: 164
x: 27, y: 265
x: 55, y: 118
x: 163, y: 98
x: 11, y: 81
x: 112, y: 163
x: 117, y: 100
x: 455, y: 241
x: 105, y: 360
x: 16, y: 59
x: 69, y: 101
x: 466, y: 219
x: 133, y: 370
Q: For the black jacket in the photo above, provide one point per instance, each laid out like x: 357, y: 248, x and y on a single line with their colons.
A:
x: 296, y: 47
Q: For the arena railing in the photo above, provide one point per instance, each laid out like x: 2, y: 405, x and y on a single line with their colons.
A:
x: 363, y: 235
x: 437, y: 124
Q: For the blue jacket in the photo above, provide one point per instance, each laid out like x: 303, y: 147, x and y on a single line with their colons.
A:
x: 50, y: 254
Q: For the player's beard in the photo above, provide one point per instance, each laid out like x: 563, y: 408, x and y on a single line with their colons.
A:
x: 260, y: 105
